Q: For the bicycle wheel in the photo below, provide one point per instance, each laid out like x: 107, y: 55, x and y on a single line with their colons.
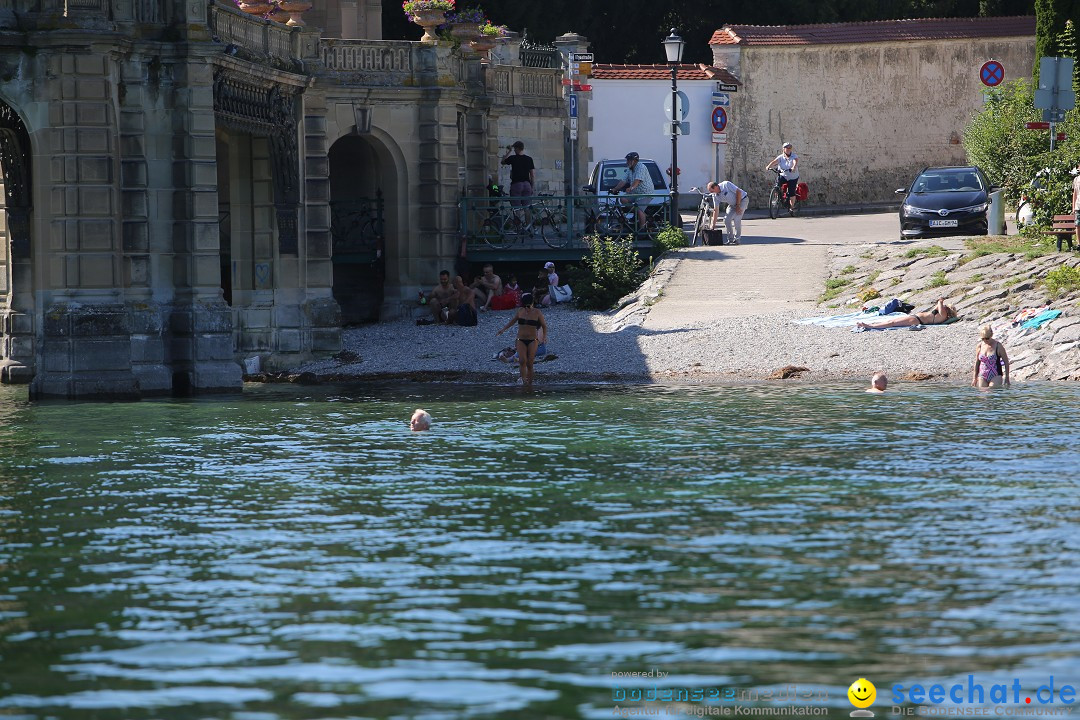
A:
x: 553, y: 228
x: 610, y: 224
x: 491, y: 232
x: 698, y: 225
x: 774, y: 203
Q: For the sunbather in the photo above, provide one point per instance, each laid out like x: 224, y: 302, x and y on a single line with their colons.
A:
x: 940, y: 314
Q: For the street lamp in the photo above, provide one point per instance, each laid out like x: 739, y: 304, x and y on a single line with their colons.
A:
x: 673, y: 47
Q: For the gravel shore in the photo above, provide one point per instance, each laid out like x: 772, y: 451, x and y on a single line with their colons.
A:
x: 734, y: 339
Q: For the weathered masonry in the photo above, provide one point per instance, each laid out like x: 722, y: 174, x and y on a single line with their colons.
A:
x: 186, y: 186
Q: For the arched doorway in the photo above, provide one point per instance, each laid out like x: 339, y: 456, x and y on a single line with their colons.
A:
x: 16, y: 276
x: 361, y: 184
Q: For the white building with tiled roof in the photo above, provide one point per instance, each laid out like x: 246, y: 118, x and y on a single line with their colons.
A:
x: 627, y: 113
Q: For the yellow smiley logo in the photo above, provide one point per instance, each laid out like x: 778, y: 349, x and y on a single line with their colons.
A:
x: 862, y: 693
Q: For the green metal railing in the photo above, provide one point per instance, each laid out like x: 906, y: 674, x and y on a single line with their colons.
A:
x: 560, y: 222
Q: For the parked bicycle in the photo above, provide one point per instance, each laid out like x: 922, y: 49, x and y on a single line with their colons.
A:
x: 507, y: 224
x: 617, y: 218
x: 778, y: 198
x: 706, y: 209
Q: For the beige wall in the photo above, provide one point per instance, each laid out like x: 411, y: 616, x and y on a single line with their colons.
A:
x: 863, y: 117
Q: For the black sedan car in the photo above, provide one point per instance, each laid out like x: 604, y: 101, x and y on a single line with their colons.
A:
x: 945, y: 201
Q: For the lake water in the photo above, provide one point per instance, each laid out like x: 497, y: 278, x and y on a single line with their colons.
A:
x: 298, y: 553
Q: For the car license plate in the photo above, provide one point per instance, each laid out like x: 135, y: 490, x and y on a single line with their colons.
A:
x: 942, y: 223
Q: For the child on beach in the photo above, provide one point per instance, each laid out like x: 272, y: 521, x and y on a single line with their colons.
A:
x: 991, y: 361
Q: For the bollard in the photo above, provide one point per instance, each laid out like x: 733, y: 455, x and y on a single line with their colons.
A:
x: 995, y: 215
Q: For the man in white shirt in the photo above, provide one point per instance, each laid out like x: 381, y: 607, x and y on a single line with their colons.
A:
x: 737, y: 202
x: 788, y: 162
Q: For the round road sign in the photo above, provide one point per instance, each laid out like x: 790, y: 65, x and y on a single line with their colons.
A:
x: 991, y: 73
x: 719, y: 119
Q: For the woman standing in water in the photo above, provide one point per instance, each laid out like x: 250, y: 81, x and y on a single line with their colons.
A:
x: 991, y: 361
x: 530, y: 322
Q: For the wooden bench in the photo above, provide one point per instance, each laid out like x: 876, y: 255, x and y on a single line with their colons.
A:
x: 1065, y: 229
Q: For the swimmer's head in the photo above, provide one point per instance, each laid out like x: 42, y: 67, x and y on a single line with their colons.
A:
x: 986, y: 332
x: 879, y: 381
x: 421, y: 420
x: 526, y: 300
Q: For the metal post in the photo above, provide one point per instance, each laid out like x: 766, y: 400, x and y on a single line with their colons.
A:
x: 1052, y: 135
x: 676, y: 218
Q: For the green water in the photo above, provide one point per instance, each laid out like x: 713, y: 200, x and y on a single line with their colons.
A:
x: 298, y: 553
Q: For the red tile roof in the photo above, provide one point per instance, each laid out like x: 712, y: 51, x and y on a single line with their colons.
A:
x: 876, y: 31
x: 661, y: 72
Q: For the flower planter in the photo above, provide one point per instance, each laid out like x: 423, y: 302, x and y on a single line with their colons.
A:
x: 295, y: 8
x: 483, y: 44
x: 257, y: 7
x: 429, y: 20
x: 465, y: 33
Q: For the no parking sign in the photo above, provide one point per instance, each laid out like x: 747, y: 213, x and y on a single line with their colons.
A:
x: 719, y: 119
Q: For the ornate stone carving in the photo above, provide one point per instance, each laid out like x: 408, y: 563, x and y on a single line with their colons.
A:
x: 267, y: 111
x: 15, y: 161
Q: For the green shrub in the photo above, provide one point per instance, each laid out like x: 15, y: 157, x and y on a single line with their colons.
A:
x: 611, y: 272
x: 930, y: 251
x: 1063, y: 280
x: 848, y: 270
x: 872, y: 276
x: 833, y: 287
x: 671, y: 238
x: 937, y: 279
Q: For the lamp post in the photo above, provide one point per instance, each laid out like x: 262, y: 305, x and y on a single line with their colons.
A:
x: 673, y: 47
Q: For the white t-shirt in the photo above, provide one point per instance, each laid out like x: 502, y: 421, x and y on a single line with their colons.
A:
x: 787, y: 164
x: 726, y: 193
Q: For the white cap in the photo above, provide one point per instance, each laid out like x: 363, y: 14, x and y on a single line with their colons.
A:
x: 549, y: 265
x: 787, y: 144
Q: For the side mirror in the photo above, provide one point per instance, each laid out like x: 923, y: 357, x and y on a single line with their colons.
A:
x: 901, y: 191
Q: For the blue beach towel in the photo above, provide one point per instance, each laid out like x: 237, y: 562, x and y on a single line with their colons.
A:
x: 1040, y: 319
x: 846, y: 320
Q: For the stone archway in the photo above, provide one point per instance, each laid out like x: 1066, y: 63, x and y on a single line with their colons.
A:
x: 16, y: 276
x: 363, y: 197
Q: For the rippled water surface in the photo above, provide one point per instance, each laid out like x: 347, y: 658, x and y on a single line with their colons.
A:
x: 298, y: 553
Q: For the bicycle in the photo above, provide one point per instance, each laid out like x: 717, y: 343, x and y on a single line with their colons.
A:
x: 706, y: 209
x: 778, y: 198
x: 507, y: 224
x: 617, y: 219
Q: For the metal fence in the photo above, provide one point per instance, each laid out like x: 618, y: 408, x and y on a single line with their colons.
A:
x: 561, y: 222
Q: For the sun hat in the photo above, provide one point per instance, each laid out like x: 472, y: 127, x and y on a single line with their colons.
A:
x: 787, y: 144
x: 549, y: 265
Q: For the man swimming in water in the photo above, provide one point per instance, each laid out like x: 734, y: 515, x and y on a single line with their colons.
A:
x: 940, y: 314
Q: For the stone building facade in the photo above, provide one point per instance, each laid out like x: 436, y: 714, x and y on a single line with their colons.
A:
x: 187, y: 186
x: 866, y: 104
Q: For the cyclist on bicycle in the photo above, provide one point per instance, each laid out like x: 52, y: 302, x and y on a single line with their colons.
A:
x: 637, y: 181
x: 787, y: 162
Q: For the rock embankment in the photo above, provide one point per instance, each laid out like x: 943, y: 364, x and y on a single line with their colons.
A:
x: 985, y: 289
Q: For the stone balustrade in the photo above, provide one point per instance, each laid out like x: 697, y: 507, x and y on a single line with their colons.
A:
x: 517, y: 85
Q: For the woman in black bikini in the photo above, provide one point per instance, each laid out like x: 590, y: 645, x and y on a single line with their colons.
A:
x: 530, y: 322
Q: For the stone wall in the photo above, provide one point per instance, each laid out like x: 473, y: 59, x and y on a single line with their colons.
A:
x: 864, y: 118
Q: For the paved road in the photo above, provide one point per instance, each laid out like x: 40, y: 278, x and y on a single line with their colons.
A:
x: 780, y: 265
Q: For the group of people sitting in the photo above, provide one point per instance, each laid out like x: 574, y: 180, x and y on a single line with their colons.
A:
x: 455, y: 303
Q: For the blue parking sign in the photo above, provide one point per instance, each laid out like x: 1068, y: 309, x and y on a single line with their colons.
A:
x: 573, y: 105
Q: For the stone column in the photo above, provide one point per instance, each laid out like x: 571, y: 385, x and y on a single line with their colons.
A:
x: 579, y: 164
x: 320, y: 314
x: 201, y: 323
x: 85, y: 338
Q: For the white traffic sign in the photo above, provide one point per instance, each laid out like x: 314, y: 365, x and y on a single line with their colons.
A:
x: 719, y: 138
x: 721, y: 99
x: 573, y: 133
x: 581, y: 57
x: 682, y: 128
x: 573, y: 123
x: 682, y: 105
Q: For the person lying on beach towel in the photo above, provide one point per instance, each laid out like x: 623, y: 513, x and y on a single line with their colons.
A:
x: 940, y: 315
